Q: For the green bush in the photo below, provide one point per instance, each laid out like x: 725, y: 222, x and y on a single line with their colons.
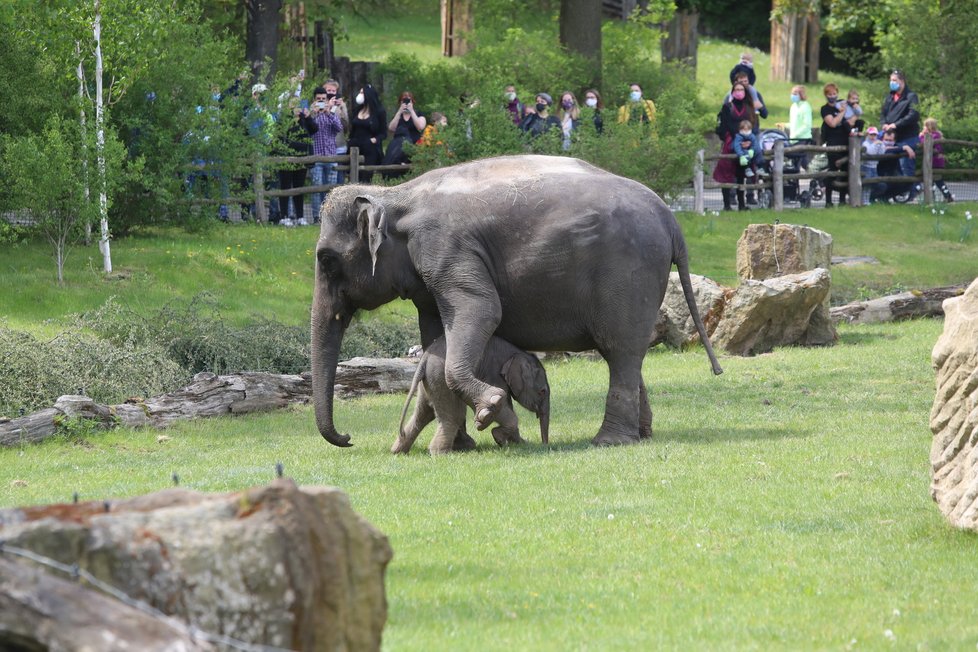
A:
x: 34, y: 373
x: 376, y: 338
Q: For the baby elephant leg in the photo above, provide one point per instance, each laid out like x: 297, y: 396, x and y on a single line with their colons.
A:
x: 424, y: 414
x: 508, y: 430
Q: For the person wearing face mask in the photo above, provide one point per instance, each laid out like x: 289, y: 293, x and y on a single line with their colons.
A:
x: 513, y: 104
x: 835, y: 133
x: 569, y: 114
x: 901, y: 113
x: 636, y: 108
x: 406, y: 126
x: 748, y: 149
x: 800, y: 122
x: 326, y: 113
x: 592, y: 100
x: 368, y: 128
x: 538, y: 119
x: 729, y: 119
x: 872, y: 146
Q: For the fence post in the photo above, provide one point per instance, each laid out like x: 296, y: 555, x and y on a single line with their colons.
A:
x: 354, y: 165
x: 699, y: 204
x: 259, y: 184
x: 777, y: 175
x: 855, y: 163
x: 928, y: 169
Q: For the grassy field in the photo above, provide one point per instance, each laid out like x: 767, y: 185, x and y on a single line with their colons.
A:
x: 783, y: 505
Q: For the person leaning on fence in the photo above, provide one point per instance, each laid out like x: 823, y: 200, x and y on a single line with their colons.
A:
x: 760, y: 110
x: 938, y: 161
x: 800, y: 122
x: 338, y: 106
x: 901, y: 113
x: 891, y: 167
x: 835, y: 133
x: 872, y: 146
x: 325, y: 115
x: 368, y: 128
x: 731, y: 114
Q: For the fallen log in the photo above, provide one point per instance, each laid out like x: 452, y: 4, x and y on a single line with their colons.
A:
x: 905, y: 305
x: 211, y: 395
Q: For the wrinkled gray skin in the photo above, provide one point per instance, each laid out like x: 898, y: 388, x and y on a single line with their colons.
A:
x: 503, y: 365
x: 549, y: 253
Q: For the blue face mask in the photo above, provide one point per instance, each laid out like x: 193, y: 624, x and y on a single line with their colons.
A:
x: 894, y: 86
x: 635, y: 96
x: 795, y: 99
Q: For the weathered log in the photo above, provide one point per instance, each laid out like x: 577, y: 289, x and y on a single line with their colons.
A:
x: 212, y: 395
x: 39, y: 611
x: 905, y: 305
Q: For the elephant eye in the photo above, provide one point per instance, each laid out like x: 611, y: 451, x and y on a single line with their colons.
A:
x: 329, y: 262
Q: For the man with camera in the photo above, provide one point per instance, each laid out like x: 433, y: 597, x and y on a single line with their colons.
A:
x: 327, y: 111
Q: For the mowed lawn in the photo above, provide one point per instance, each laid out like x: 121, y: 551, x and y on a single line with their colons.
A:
x: 782, y: 505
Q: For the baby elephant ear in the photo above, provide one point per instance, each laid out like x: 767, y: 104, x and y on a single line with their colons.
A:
x: 371, y: 224
x: 518, y: 373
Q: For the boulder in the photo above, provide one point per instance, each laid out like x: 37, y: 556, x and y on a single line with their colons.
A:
x: 767, y: 251
x: 954, y: 415
x: 280, y: 565
x: 675, y: 325
x: 776, y: 312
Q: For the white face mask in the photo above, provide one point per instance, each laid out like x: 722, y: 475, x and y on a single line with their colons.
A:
x: 635, y: 96
x: 359, y: 98
x: 591, y: 102
x: 511, y: 96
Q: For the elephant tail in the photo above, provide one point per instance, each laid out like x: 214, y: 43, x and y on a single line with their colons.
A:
x: 681, y: 261
x: 414, y: 388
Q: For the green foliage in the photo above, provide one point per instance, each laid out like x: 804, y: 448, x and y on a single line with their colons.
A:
x: 35, y: 372
x: 380, y: 338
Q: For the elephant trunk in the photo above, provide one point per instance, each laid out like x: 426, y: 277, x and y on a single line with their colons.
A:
x: 326, y: 341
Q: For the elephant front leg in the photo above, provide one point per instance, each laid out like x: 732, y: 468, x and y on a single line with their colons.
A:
x: 645, y: 413
x: 508, y: 430
x: 622, y: 406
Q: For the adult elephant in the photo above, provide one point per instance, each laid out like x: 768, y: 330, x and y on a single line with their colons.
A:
x: 549, y: 253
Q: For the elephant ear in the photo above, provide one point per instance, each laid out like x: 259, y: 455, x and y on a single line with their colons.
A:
x: 518, y: 373
x: 371, y: 224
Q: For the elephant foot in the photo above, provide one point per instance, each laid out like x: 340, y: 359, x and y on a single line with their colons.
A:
x: 486, y: 411
x: 505, y: 437
x: 645, y: 432
x: 463, y: 442
x: 401, y: 446
x: 611, y: 438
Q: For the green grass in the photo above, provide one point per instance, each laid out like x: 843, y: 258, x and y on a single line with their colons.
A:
x: 783, y: 505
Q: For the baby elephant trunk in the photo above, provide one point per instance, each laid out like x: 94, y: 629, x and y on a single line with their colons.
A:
x: 544, y: 426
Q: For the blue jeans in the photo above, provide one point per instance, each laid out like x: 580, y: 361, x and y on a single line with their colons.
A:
x: 907, y: 164
x: 868, y: 172
x: 320, y: 175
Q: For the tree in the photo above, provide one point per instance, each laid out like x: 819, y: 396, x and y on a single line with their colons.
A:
x: 261, y: 36
x: 795, y: 34
x: 580, y: 32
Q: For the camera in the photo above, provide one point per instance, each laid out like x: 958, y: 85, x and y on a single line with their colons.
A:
x: 406, y: 100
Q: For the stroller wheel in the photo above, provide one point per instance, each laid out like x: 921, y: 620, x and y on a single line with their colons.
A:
x: 816, y: 190
x: 805, y: 199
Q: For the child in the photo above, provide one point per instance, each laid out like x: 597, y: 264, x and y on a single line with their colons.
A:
x: 853, y: 115
x: 747, y: 147
x: 930, y: 127
x: 745, y: 65
x: 872, y: 146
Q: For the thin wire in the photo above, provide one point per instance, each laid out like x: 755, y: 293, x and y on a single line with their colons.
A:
x: 189, y: 630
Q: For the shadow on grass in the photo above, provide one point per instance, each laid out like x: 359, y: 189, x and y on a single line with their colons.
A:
x: 856, y: 338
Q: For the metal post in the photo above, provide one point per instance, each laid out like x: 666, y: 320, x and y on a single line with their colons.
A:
x: 855, y: 163
x: 699, y: 201
x: 354, y: 165
x: 928, y: 168
x: 777, y: 175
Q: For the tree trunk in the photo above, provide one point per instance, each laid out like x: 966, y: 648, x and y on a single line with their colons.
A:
x: 794, y: 48
x: 681, y: 41
x: 82, y: 121
x: 580, y: 32
x: 261, y: 39
x: 457, y: 21
x: 103, y: 196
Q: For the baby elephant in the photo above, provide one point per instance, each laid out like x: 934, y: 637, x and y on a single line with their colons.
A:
x: 503, y: 365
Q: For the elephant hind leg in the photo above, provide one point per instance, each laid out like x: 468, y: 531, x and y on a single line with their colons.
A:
x: 645, y: 413
x: 621, y: 417
x: 451, y: 418
x: 424, y: 414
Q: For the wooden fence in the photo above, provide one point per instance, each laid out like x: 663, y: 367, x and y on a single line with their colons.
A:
x: 350, y: 164
x: 852, y: 179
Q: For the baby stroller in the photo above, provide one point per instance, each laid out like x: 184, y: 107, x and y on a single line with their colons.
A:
x: 792, y: 165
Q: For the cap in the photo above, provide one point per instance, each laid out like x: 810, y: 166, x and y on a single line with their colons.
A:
x: 546, y: 98
x: 872, y: 130
x: 258, y: 88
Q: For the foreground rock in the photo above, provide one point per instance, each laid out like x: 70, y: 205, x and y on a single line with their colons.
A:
x: 954, y: 415
x: 675, y: 325
x: 280, y: 565
x: 764, y: 314
x: 211, y: 395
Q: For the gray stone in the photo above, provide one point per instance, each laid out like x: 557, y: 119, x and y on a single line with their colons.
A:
x: 954, y: 415
x: 276, y: 565
x: 776, y: 312
x: 675, y: 325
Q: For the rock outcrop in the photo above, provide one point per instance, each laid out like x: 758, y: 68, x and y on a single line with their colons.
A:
x: 675, y: 325
x: 279, y: 565
x: 954, y: 415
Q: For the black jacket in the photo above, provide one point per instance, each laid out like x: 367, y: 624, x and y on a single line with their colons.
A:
x: 904, y: 113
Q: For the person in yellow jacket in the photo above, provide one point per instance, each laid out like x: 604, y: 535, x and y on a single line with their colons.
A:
x: 636, y: 108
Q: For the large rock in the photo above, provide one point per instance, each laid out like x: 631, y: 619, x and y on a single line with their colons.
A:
x: 764, y: 314
x: 954, y: 415
x: 769, y: 250
x: 276, y: 565
x: 766, y: 251
x: 675, y: 325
